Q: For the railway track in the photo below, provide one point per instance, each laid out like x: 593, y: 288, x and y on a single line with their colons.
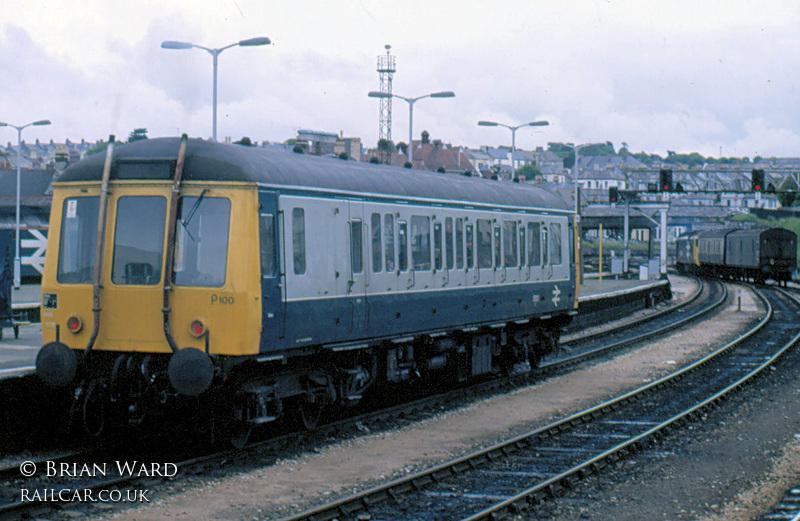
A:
x: 516, y: 475
x: 707, y: 298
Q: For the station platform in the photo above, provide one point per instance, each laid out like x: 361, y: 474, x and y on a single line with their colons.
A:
x: 17, y: 356
x: 593, y: 288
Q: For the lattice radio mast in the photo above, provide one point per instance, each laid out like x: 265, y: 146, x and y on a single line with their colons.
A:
x: 386, y: 69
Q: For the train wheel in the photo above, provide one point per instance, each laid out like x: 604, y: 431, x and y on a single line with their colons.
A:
x: 93, y: 408
x: 310, y: 410
x: 239, y: 434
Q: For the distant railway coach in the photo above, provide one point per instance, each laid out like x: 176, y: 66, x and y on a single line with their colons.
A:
x: 284, y: 284
x: 757, y: 254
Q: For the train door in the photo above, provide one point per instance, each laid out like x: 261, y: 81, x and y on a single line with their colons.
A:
x: 133, y: 295
x: 440, y: 273
x: 273, y: 273
x: 458, y: 274
x: 547, y: 267
x: 381, y: 258
x: 485, y: 250
x: 406, y: 278
x: 511, y: 264
x: 533, y: 240
x: 358, y: 273
x: 559, y: 249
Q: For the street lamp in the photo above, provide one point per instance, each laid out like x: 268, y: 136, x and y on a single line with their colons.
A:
x: 252, y: 42
x: 577, y: 149
x: 17, y: 262
x: 513, y: 137
x: 411, y: 101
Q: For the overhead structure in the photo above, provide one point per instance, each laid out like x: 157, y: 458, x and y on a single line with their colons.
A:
x: 386, y: 70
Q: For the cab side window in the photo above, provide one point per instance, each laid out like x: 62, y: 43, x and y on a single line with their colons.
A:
x: 266, y: 232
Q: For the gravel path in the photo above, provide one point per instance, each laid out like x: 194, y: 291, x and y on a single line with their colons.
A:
x: 712, y: 452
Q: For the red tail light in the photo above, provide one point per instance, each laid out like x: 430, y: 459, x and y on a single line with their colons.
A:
x: 197, y: 328
x: 74, y: 324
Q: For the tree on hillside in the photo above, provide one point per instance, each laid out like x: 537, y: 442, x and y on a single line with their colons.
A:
x: 245, y: 142
x: 100, y: 147
x: 529, y: 172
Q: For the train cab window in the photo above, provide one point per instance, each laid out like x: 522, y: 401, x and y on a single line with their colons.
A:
x: 484, y: 243
x: 534, y: 244
x: 388, y: 234
x: 448, y: 243
x: 459, y: 243
x: 377, y: 254
x: 139, y: 240
x: 266, y: 232
x: 356, y: 247
x: 201, y: 250
x: 78, y: 240
x: 402, y: 245
x: 522, y: 247
x: 299, y: 240
x: 470, y: 247
x: 421, y: 242
x: 555, y: 244
x: 510, y: 244
x: 437, y: 246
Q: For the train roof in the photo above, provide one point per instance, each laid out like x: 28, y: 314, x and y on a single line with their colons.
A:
x: 766, y: 232
x: 209, y: 161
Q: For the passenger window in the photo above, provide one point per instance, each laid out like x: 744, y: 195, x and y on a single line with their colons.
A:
x: 388, y: 235
x: 555, y: 244
x: 484, y: 243
x: 510, y: 244
x: 497, y: 247
x: 437, y: 246
x: 356, y: 247
x: 459, y: 243
x: 470, y: 247
x: 534, y: 244
x: 402, y: 245
x: 448, y: 242
x: 377, y: 254
x: 139, y: 240
x: 522, y: 247
x: 267, y: 237
x: 299, y: 240
x: 421, y: 242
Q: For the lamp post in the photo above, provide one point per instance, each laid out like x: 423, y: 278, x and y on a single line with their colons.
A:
x: 513, y: 137
x: 252, y: 42
x: 17, y: 261
x: 411, y: 101
x: 577, y: 149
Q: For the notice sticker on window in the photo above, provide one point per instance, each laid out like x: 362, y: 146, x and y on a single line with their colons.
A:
x: 72, y: 208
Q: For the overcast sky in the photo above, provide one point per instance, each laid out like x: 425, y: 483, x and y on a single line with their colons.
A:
x: 683, y: 75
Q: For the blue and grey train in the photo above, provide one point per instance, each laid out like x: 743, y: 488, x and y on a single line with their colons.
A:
x: 288, y: 283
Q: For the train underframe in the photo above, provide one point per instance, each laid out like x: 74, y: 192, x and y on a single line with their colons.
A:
x: 779, y: 274
x: 119, y: 391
